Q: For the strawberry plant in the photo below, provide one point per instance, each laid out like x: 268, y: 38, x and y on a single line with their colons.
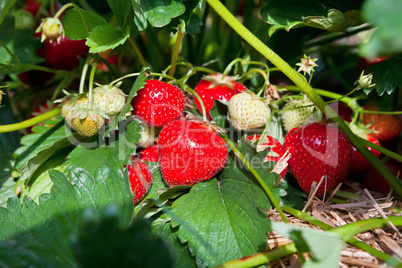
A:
x: 149, y: 151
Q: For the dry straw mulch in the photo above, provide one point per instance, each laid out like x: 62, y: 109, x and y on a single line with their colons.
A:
x: 370, y: 205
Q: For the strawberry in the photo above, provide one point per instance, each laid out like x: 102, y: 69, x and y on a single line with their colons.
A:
x: 360, y: 164
x: 87, y: 121
x: 275, y: 151
x: 318, y: 150
x: 140, y: 178
x: 190, y: 152
x: 150, y: 154
x: 373, y: 180
x: 343, y: 110
x: 148, y: 136
x: 296, y: 113
x: 213, y: 87
x: 158, y: 103
x: 385, y: 126
x: 364, y: 63
x: 63, y: 55
x: 109, y: 98
x: 51, y: 29
x: 248, y: 111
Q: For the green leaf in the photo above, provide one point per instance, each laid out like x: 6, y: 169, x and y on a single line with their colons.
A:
x: 105, y: 37
x: 103, y: 243
x: 140, y: 19
x: 386, y: 15
x: 47, y: 227
x: 181, y: 253
x: 386, y: 75
x: 324, y: 247
x: 289, y: 14
x: 220, y: 221
x: 78, y: 23
x: 138, y: 84
x: 5, y: 7
x: 160, y: 13
x: 93, y: 152
x: 335, y: 20
x: 121, y: 9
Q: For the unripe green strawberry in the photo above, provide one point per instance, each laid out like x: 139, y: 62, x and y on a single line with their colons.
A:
x: 109, y: 99
x: 296, y: 113
x: 89, y: 125
x: 148, y: 136
x: 248, y: 111
x: 86, y: 121
x: 51, y: 29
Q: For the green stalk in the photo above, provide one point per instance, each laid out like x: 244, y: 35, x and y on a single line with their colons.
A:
x: 30, y: 122
x: 382, y: 150
x: 351, y: 240
x: 301, y: 82
x: 83, y: 75
x: 258, y: 177
x: 138, y: 52
x: 181, y: 31
x: 91, y: 82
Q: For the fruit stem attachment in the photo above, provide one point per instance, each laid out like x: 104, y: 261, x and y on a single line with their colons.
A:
x: 64, y: 8
x: 181, y: 31
x: 204, y: 113
x: 301, y: 82
x: 83, y: 75
x: 30, y: 122
x: 258, y: 177
x: 91, y: 82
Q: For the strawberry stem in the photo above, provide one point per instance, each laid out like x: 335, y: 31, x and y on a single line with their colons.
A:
x: 138, y: 52
x: 83, y: 75
x: 181, y: 31
x: 258, y: 177
x: 204, y: 113
x: 382, y: 149
x: 30, y: 122
x: 91, y: 82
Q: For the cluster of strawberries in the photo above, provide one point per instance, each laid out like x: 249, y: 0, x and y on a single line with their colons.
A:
x: 190, y: 151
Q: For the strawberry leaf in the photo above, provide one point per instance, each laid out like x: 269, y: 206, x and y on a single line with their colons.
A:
x: 386, y: 75
x: 140, y: 18
x: 5, y: 6
x: 121, y: 9
x: 324, y: 247
x: 46, y: 228
x: 105, y: 37
x: 78, y: 23
x: 159, y: 13
x: 221, y: 221
x: 162, y: 228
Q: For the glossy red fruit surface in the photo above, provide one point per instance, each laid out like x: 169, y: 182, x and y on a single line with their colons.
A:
x: 318, y: 150
x: 360, y: 164
x: 140, y: 178
x: 150, y: 154
x: 190, y: 152
x: 64, y: 55
x: 209, y: 92
x: 374, y: 181
x: 275, y: 151
x: 158, y: 103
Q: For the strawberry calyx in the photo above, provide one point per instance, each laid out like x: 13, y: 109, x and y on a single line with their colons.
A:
x: 51, y: 29
x: 221, y: 79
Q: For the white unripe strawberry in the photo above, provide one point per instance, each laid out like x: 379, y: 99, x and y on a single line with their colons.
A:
x: 148, y: 136
x: 296, y: 113
x: 109, y: 99
x: 248, y: 111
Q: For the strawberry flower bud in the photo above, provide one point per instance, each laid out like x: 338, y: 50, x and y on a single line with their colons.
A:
x: 51, y: 29
x: 365, y: 81
x: 306, y: 65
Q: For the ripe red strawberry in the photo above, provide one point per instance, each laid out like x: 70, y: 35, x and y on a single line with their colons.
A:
x: 374, y: 181
x: 140, y: 178
x: 190, y: 152
x: 359, y: 163
x: 213, y: 87
x: 275, y: 151
x: 385, y: 126
x: 158, y: 103
x: 63, y: 55
x: 316, y: 150
x: 150, y: 154
x: 364, y: 63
